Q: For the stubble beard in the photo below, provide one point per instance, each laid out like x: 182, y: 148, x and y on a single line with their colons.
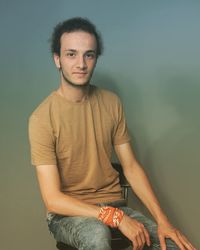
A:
x: 73, y: 84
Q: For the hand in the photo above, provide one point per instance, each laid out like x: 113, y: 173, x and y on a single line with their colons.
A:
x: 166, y: 230
x: 135, y: 232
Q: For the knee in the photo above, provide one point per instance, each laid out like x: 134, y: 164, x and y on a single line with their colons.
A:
x: 97, y: 236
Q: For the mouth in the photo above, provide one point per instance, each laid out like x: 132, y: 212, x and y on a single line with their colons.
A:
x: 80, y: 73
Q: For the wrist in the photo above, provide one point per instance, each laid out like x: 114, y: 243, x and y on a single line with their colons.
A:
x: 111, y: 216
x: 160, y: 216
x: 162, y: 220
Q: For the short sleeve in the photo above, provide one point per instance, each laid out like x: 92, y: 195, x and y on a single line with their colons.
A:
x: 120, y: 134
x: 42, y: 142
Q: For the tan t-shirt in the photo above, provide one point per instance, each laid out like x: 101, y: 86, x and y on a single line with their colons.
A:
x: 78, y: 138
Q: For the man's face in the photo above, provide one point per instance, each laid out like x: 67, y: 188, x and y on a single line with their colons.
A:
x: 77, y: 58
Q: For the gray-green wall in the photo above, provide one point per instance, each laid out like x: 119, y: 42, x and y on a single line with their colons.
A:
x: 151, y: 59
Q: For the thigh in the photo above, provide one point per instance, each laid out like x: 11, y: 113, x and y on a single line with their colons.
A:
x: 80, y: 232
x: 151, y: 227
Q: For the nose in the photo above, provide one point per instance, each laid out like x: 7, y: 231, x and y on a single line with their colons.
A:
x: 81, y: 63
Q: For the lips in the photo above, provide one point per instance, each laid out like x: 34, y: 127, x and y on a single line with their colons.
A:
x: 80, y: 73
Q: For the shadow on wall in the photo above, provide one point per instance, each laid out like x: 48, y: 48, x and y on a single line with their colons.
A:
x: 171, y: 155
x: 105, y: 81
x: 132, y: 100
x: 174, y: 155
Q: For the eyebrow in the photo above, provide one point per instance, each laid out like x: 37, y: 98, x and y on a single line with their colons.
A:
x: 73, y: 50
x: 93, y: 51
x: 87, y: 51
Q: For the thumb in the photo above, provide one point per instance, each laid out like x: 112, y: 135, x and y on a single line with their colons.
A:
x: 162, y: 242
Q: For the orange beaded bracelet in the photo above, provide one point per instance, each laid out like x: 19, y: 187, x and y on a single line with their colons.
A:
x: 110, y: 216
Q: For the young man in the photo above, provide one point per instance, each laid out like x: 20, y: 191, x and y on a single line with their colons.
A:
x: 72, y: 134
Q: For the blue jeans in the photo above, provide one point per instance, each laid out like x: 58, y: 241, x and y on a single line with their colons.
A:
x: 88, y: 233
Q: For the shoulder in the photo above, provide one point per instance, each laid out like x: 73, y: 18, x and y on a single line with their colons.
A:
x: 107, y: 95
x: 44, y: 109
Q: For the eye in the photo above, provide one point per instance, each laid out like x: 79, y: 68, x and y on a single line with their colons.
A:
x: 90, y: 55
x: 70, y: 54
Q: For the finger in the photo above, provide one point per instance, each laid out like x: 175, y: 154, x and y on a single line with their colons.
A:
x: 142, y: 237
x: 135, y: 244
x: 147, y: 237
x: 162, y: 242
x: 141, y: 241
x: 185, y: 241
x: 178, y: 242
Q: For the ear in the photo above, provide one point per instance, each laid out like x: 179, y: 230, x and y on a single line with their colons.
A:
x: 56, y: 58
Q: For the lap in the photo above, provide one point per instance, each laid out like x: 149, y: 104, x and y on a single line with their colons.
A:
x: 81, y: 230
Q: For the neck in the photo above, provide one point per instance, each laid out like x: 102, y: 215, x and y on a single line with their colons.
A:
x: 74, y: 94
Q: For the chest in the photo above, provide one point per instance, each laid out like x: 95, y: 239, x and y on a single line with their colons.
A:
x: 79, y: 126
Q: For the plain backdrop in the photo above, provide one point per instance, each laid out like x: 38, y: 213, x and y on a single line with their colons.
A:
x: 151, y: 60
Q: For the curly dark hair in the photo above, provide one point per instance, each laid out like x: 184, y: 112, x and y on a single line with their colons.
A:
x: 71, y: 25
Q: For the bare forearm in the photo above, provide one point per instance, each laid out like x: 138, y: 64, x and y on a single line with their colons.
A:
x: 69, y: 206
x: 56, y: 201
x: 139, y: 181
x: 142, y: 187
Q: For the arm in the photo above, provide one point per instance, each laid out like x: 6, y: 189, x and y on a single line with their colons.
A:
x: 59, y: 203
x: 43, y: 150
x: 141, y: 186
x: 139, y: 181
x: 56, y: 201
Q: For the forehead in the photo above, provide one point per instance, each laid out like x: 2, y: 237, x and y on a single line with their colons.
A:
x: 78, y: 40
